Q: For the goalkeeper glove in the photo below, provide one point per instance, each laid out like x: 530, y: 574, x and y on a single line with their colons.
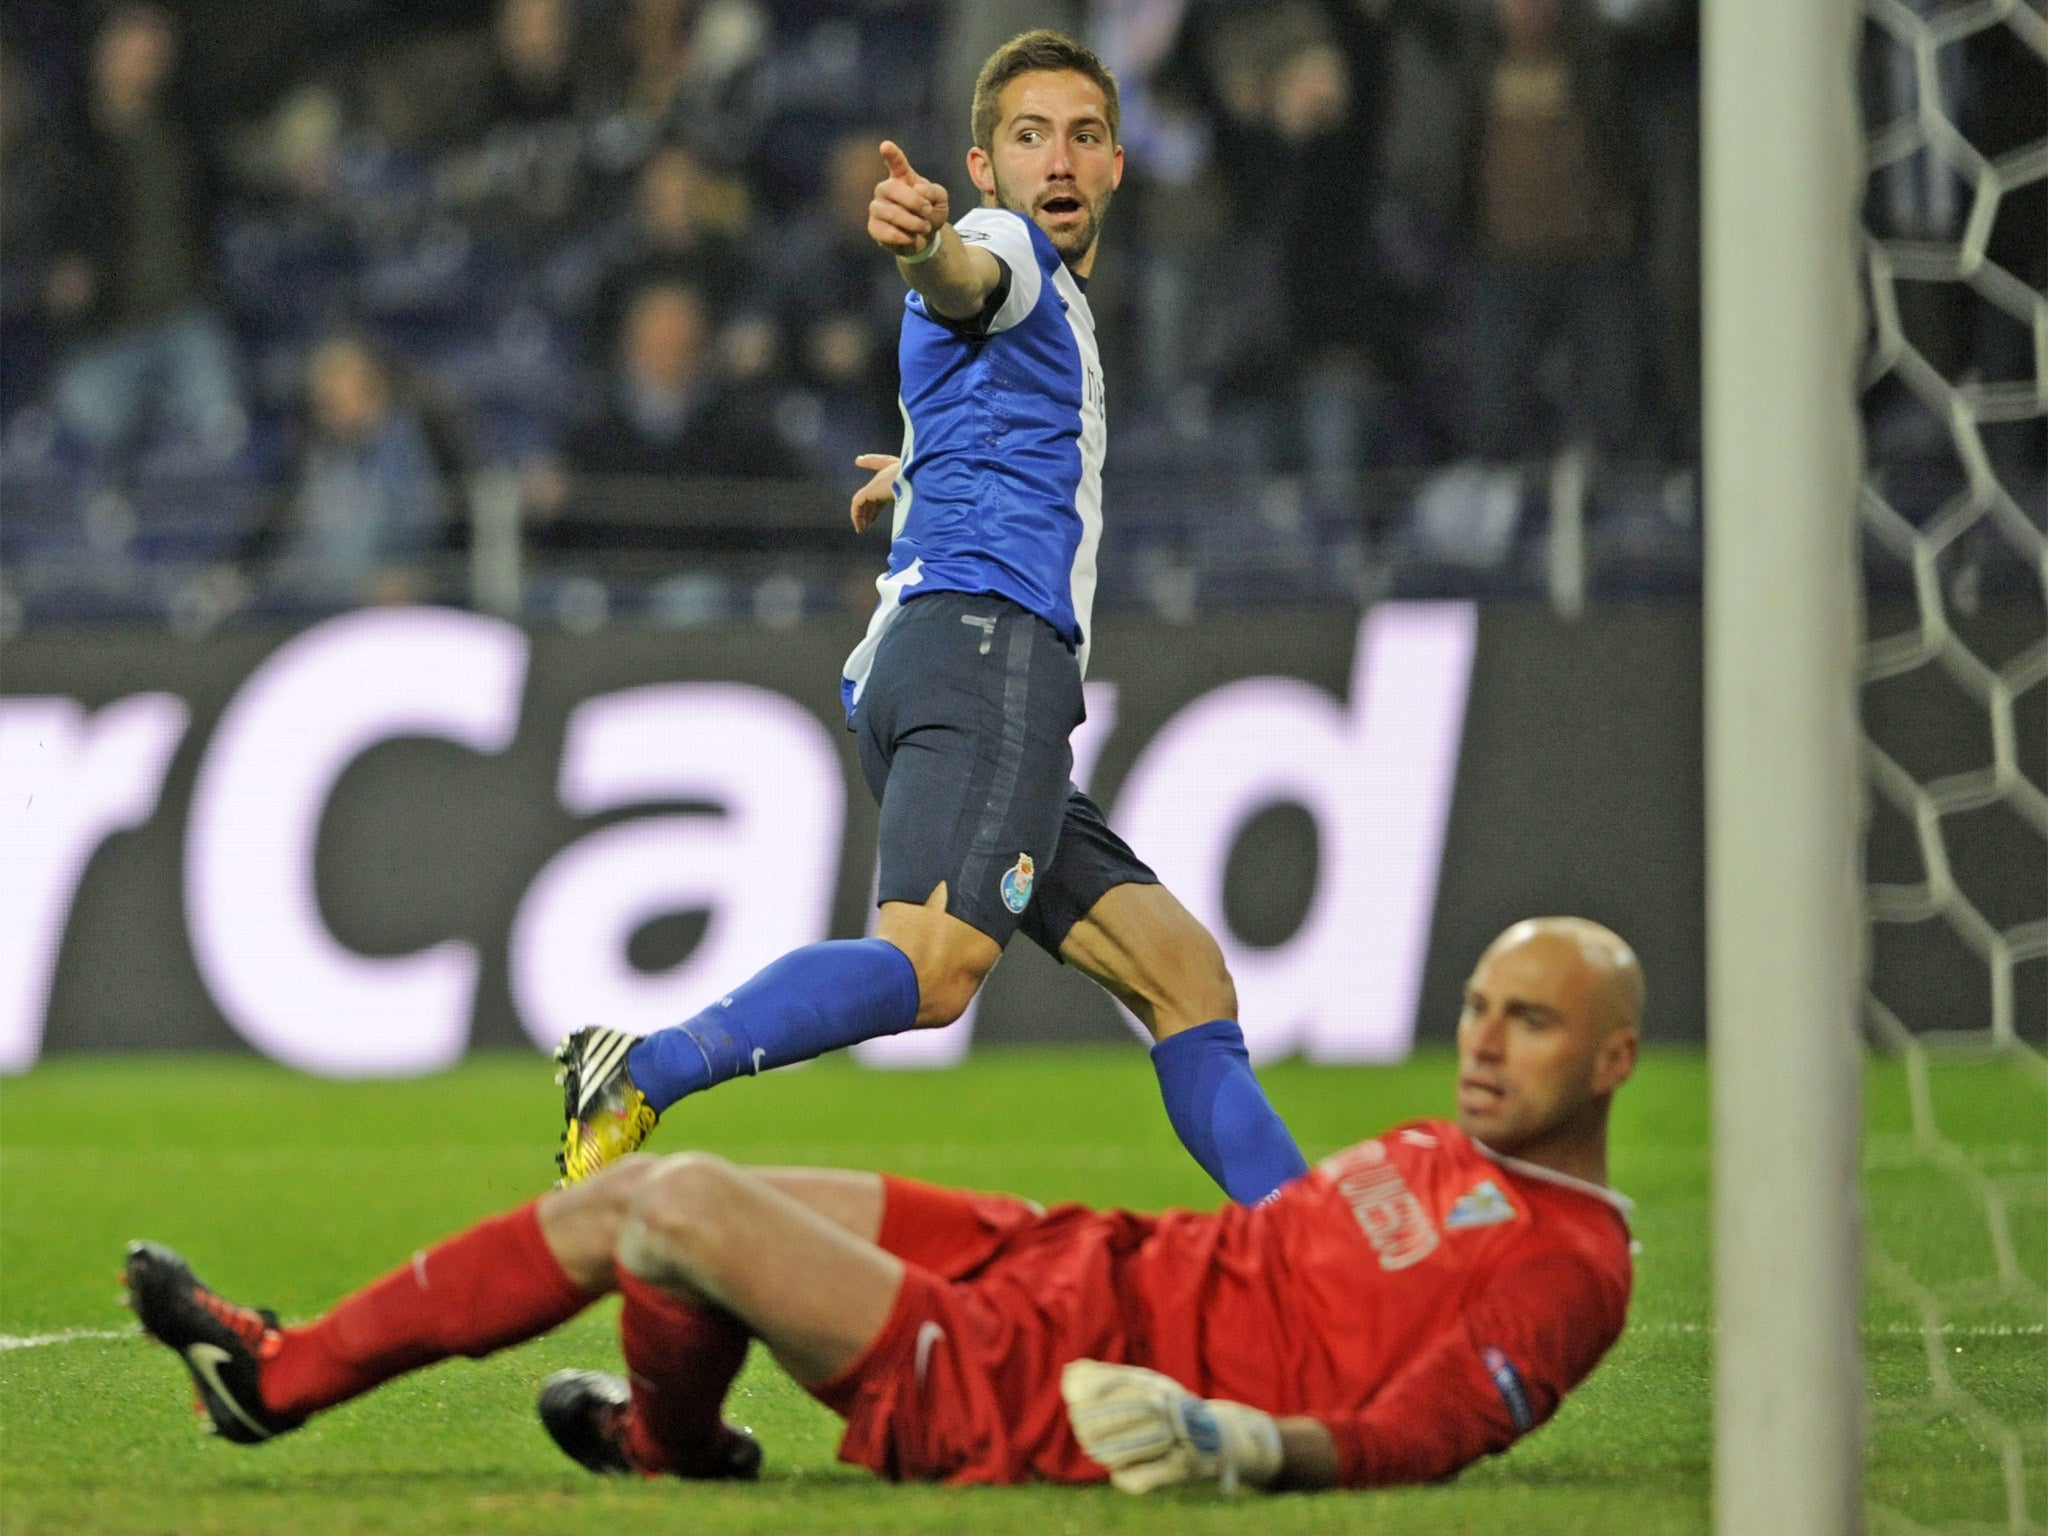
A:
x: 1151, y: 1432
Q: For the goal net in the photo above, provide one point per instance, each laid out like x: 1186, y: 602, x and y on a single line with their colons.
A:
x: 1954, y: 515
x: 1876, y: 627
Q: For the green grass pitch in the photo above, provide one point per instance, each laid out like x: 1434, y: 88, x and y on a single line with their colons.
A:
x: 287, y: 1191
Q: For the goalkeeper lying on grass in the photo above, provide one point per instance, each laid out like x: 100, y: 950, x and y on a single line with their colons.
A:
x: 1415, y: 1302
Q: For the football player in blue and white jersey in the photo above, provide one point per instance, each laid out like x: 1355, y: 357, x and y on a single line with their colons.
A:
x: 968, y: 684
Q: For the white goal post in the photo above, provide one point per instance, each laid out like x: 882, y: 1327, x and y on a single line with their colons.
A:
x: 1781, y: 184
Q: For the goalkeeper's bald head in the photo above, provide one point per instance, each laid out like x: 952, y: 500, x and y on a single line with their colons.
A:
x: 1550, y: 1029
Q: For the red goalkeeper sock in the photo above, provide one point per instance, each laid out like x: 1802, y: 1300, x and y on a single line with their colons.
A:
x: 681, y: 1358
x: 496, y: 1284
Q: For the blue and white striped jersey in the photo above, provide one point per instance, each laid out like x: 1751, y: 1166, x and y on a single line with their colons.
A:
x: 1003, y: 435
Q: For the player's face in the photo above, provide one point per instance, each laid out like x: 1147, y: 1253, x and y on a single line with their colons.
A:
x: 1535, y: 1049
x: 1053, y: 159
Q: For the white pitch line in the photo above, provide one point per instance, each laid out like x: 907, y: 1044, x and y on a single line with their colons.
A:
x: 68, y: 1336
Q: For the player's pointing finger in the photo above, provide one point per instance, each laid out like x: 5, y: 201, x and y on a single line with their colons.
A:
x: 897, y: 162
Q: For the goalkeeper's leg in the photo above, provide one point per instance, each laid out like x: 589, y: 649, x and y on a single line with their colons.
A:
x: 707, y: 1256
x: 505, y: 1280
x: 814, y: 1292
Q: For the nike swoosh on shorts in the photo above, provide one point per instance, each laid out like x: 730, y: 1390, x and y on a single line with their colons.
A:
x: 928, y: 1334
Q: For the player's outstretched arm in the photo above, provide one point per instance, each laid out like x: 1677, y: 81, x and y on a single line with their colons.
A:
x: 908, y: 219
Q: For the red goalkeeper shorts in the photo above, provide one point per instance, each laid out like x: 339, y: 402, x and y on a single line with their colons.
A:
x: 962, y: 1385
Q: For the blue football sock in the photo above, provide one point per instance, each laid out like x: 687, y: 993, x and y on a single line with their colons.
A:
x: 1220, y: 1112
x: 813, y: 1000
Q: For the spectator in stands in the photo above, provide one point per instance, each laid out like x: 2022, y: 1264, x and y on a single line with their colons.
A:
x: 685, y: 228
x: 1551, y: 320
x: 667, y: 415
x: 144, y: 351
x: 514, y: 111
x: 369, y: 506
x: 1294, y: 92
x: 690, y: 68
x: 291, y: 158
x: 531, y: 66
x: 534, y: 79
x: 31, y: 177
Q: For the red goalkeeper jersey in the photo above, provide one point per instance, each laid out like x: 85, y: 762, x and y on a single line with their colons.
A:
x: 1426, y: 1300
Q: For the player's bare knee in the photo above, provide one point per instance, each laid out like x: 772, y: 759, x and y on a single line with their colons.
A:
x: 685, y: 1190
x: 675, y: 1220
x: 581, y: 1222
x: 943, y: 993
x: 617, y: 1181
x: 949, y: 956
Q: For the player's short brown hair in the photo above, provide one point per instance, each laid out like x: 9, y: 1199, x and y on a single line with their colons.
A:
x: 1039, y: 49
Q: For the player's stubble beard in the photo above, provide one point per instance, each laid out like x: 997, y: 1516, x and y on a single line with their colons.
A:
x: 1073, y: 244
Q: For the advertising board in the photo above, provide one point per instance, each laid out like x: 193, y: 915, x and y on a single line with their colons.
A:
x: 365, y: 847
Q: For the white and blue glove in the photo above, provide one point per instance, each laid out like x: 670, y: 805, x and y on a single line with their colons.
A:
x: 1151, y: 1432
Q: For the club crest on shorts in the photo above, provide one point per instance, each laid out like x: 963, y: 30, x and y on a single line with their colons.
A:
x: 1017, y: 881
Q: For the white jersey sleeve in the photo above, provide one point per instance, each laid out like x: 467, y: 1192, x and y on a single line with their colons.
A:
x: 1003, y: 234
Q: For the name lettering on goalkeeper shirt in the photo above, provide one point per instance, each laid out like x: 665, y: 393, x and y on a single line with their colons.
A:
x: 1385, y: 1208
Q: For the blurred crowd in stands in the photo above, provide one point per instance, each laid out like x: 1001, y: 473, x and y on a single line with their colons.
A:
x: 292, y: 296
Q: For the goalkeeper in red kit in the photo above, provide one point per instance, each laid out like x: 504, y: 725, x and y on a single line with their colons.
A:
x: 1412, y: 1303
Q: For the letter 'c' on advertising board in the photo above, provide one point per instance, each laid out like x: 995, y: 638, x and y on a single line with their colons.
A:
x: 318, y: 703
x: 760, y: 862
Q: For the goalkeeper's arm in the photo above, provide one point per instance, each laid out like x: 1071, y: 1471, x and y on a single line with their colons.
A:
x: 1513, y: 1353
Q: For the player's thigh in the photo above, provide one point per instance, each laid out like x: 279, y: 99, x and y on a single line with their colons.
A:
x: 850, y: 1200
x: 953, y: 1233
x: 1104, y: 912
x: 1153, y: 956
x: 810, y: 1290
x: 980, y: 697
x: 1091, y: 861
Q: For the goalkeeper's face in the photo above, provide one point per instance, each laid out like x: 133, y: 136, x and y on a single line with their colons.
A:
x: 1547, y: 1034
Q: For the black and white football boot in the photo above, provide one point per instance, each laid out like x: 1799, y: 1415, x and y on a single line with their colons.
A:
x: 222, y: 1344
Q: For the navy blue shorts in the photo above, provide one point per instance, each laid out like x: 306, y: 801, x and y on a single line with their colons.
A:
x: 963, y: 729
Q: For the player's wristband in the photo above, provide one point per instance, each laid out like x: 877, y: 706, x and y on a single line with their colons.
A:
x: 928, y: 252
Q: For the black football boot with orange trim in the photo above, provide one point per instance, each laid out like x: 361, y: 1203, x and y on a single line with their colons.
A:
x: 222, y: 1344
